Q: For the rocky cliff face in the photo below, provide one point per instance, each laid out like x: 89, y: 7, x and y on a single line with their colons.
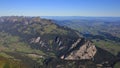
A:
x: 81, y: 49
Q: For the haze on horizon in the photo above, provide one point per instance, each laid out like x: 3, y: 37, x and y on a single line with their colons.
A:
x: 107, y: 8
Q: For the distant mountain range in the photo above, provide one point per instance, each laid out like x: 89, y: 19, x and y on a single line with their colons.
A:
x: 109, y: 19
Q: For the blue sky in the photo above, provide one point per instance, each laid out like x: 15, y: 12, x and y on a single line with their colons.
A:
x: 60, y: 8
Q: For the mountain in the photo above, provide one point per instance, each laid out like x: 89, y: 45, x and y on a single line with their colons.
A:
x: 41, y: 42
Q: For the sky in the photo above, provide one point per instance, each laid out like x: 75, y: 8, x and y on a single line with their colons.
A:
x: 107, y: 8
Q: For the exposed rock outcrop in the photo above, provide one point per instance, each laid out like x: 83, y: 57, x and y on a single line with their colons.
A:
x: 81, y: 49
x: 36, y: 40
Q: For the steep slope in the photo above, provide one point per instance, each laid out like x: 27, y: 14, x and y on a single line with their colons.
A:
x: 81, y: 49
x: 84, y: 49
x: 81, y: 54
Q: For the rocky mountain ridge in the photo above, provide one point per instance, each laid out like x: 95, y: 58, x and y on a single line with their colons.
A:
x: 76, y: 52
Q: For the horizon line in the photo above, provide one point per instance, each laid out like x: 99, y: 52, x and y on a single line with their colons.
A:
x: 53, y: 16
